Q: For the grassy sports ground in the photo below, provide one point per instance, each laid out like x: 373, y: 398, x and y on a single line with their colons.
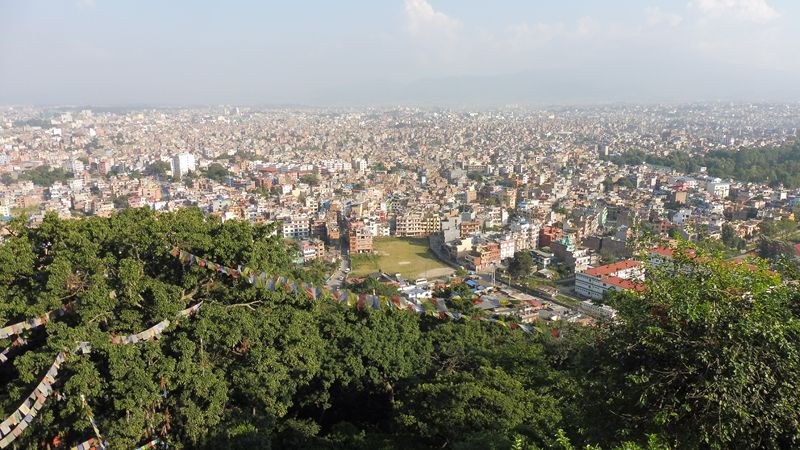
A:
x: 411, y: 257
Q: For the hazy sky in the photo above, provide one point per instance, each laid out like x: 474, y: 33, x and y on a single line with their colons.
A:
x: 192, y: 52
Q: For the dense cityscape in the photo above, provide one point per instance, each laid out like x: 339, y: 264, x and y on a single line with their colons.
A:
x: 406, y: 224
x: 479, y: 186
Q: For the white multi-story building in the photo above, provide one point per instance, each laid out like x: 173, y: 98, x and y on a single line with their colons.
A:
x: 75, y: 166
x: 76, y: 185
x: 183, y: 164
x: 507, y: 247
x: 682, y: 216
x: 596, y: 281
x: 296, y: 228
x: 313, y: 249
x: 360, y: 165
x: 376, y: 228
x: 718, y: 188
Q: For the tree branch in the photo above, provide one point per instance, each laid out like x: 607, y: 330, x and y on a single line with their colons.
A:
x: 246, y: 305
x: 190, y: 295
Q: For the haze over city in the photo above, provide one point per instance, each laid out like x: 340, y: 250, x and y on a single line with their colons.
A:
x: 400, y: 224
x: 403, y: 51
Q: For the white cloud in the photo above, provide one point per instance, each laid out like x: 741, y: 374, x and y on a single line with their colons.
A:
x: 422, y: 19
x: 757, y: 11
x: 656, y: 16
x: 586, y: 26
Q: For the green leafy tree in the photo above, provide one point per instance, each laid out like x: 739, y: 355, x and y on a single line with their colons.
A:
x: 774, y: 166
x: 217, y: 172
x: 310, y: 179
x: 370, y: 285
x: 774, y: 248
x: 521, y: 265
x: 46, y: 176
x: 158, y: 168
x: 773, y: 228
x: 731, y: 239
x: 475, y: 176
x: 706, y: 356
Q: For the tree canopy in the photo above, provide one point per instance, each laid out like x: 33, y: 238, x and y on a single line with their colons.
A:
x: 158, y: 168
x: 521, y: 265
x: 309, y: 179
x: 773, y: 165
x: 707, y: 356
x: 46, y: 176
x: 217, y: 172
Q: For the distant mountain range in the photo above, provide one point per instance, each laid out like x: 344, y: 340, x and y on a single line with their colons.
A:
x: 568, y: 87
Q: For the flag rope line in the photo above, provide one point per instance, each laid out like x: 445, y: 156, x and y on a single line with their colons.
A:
x: 435, y: 307
x: 35, y: 322
x: 151, y: 444
x: 88, y: 444
x: 17, y: 422
x: 18, y: 342
x: 90, y: 416
x: 13, y: 426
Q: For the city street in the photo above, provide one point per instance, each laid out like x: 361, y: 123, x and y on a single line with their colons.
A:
x: 336, y: 280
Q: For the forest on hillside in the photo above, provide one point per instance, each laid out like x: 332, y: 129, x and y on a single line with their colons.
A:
x: 772, y: 165
x: 708, y: 356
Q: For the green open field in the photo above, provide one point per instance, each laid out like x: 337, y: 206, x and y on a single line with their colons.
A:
x: 409, y: 256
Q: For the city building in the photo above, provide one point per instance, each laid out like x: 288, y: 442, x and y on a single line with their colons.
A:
x: 183, y: 163
x: 596, y: 281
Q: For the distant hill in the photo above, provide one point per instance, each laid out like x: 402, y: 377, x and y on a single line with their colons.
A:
x: 581, y: 85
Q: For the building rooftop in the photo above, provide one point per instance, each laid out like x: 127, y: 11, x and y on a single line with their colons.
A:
x: 609, y: 269
x: 623, y: 283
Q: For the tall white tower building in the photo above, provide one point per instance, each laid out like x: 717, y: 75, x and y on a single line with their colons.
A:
x: 183, y: 164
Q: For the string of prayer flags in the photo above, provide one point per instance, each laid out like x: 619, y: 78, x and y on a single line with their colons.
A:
x: 190, y: 311
x: 152, y: 444
x: 434, y: 307
x: 441, y: 307
x: 90, y: 444
x: 18, y: 421
x: 156, y: 330
x: 83, y: 348
x: 88, y: 411
x: 36, y: 322
x: 18, y: 342
x: 149, y: 334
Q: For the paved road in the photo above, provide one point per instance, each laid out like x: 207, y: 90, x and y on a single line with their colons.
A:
x: 567, y: 290
x: 563, y: 310
x: 334, y: 282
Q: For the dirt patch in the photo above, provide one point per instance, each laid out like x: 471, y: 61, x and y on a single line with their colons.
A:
x: 437, y: 273
x: 403, y: 263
